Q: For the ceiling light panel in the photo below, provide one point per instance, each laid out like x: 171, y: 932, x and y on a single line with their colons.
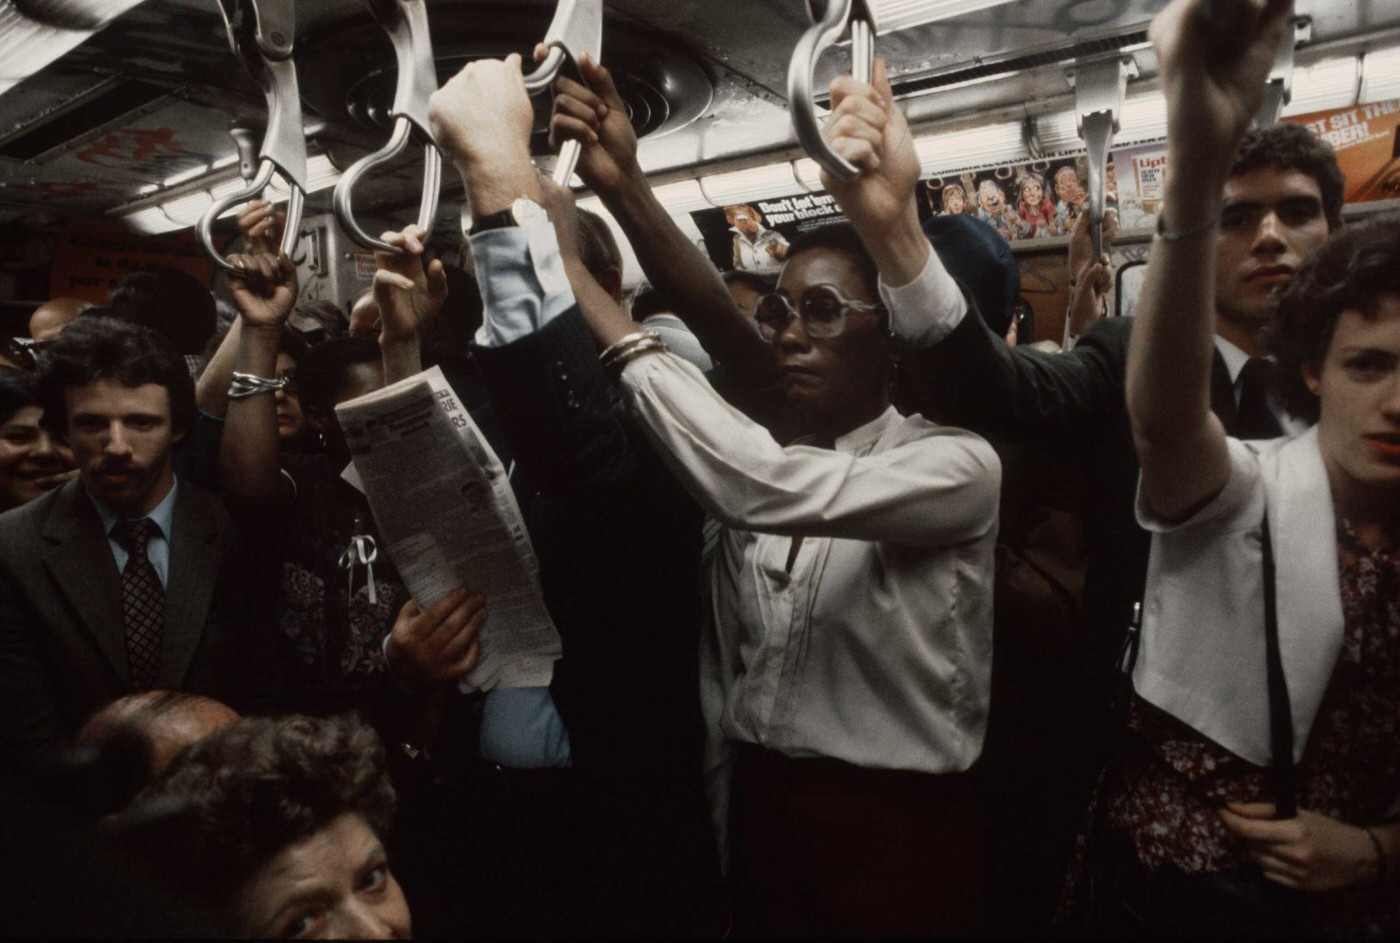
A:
x: 892, y: 15
x: 1380, y: 75
x: 1328, y: 83
x: 974, y: 147
x: 755, y: 183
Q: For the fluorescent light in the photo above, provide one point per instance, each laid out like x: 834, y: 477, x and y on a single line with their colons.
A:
x: 681, y: 197
x: 891, y: 15
x: 741, y: 186
x: 1380, y: 76
x: 1059, y: 132
x: 808, y: 173
x: 1143, y: 118
x: 185, y: 210
x: 28, y: 44
x: 1327, y: 83
x: 989, y: 145
x: 151, y: 221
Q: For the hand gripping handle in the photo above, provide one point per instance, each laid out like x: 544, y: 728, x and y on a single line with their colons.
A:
x: 824, y: 32
x: 406, y: 22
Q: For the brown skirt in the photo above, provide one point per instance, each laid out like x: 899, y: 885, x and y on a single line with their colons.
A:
x: 822, y: 848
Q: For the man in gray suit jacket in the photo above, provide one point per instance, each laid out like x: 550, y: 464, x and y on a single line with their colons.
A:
x: 125, y: 579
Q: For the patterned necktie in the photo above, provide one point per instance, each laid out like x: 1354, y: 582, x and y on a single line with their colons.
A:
x: 1256, y: 419
x: 143, y: 601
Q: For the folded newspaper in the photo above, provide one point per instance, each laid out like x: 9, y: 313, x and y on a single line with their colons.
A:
x: 447, y: 517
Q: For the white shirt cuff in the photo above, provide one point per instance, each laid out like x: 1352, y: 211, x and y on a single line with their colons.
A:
x: 522, y: 281
x: 927, y: 309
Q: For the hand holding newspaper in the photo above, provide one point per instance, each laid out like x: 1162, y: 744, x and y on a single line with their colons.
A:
x: 448, y: 518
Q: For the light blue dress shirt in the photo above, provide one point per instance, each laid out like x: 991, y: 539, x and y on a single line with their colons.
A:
x: 158, y: 548
x: 523, y: 287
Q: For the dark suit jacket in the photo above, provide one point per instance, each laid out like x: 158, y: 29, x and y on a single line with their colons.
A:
x: 62, y: 637
x: 619, y: 545
x: 1072, y: 402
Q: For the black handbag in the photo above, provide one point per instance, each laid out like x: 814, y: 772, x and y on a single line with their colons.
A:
x: 1123, y: 899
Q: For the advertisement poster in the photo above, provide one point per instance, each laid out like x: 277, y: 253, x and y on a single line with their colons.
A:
x: 1367, y: 141
x: 1139, y: 175
x: 754, y: 237
x: 1038, y: 200
x: 93, y: 253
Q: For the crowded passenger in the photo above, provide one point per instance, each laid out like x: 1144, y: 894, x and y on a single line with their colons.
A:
x: 124, y: 579
x: 33, y: 461
x: 866, y: 610
x: 600, y: 507
x: 165, y: 722
x: 879, y: 493
x: 283, y: 829
x: 51, y: 317
x: 1255, y: 792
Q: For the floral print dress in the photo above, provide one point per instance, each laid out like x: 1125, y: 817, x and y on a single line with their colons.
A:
x: 1167, y: 795
x: 335, y: 624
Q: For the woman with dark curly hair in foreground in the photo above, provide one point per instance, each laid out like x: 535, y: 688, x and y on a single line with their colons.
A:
x: 282, y: 829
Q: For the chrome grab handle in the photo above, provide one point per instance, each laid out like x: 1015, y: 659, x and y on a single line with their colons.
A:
x: 1098, y: 94
x: 262, y: 32
x: 406, y: 22
x: 577, y: 28
x: 839, y: 17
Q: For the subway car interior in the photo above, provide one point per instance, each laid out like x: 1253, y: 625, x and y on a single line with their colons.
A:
x: 836, y: 536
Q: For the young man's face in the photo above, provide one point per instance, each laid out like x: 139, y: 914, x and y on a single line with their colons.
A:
x: 121, y: 437
x: 1271, y: 218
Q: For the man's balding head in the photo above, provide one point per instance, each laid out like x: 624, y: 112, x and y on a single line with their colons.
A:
x: 53, y: 316
x: 168, y: 721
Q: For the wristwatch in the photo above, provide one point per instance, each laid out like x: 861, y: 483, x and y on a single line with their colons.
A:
x: 520, y: 212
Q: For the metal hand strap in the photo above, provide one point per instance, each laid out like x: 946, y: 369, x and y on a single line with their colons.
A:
x: 828, y: 28
x: 261, y: 32
x: 406, y: 22
x: 1098, y: 98
x: 577, y: 28
x: 1279, y: 90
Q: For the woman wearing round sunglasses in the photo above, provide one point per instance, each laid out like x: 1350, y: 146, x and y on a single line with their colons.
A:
x: 846, y: 670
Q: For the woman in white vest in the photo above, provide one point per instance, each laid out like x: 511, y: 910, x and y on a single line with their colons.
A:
x: 1190, y: 804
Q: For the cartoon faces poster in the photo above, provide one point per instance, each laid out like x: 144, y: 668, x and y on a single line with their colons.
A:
x: 1038, y: 200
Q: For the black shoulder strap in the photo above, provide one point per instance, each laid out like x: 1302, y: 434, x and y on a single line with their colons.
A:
x: 1280, y: 711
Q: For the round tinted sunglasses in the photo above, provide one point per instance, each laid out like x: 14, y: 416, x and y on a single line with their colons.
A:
x: 822, y: 309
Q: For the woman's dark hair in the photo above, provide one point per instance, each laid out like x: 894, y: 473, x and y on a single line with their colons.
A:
x: 321, y: 373
x: 1352, y: 270
x: 1294, y: 147
x: 260, y: 784
x: 96, y: 347
x: 16, y: 392
x: 839, y: 237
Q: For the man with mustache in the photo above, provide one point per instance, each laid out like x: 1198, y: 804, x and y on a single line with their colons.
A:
x: 125, y: 579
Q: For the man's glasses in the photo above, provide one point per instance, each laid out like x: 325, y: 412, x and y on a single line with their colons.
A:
x: 822, y: 309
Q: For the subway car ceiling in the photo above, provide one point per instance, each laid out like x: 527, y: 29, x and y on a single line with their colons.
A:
x: 129, y: 116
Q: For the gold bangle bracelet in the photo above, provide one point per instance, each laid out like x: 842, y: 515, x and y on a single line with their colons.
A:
x: 651, y: 345
x: 626, y: 344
